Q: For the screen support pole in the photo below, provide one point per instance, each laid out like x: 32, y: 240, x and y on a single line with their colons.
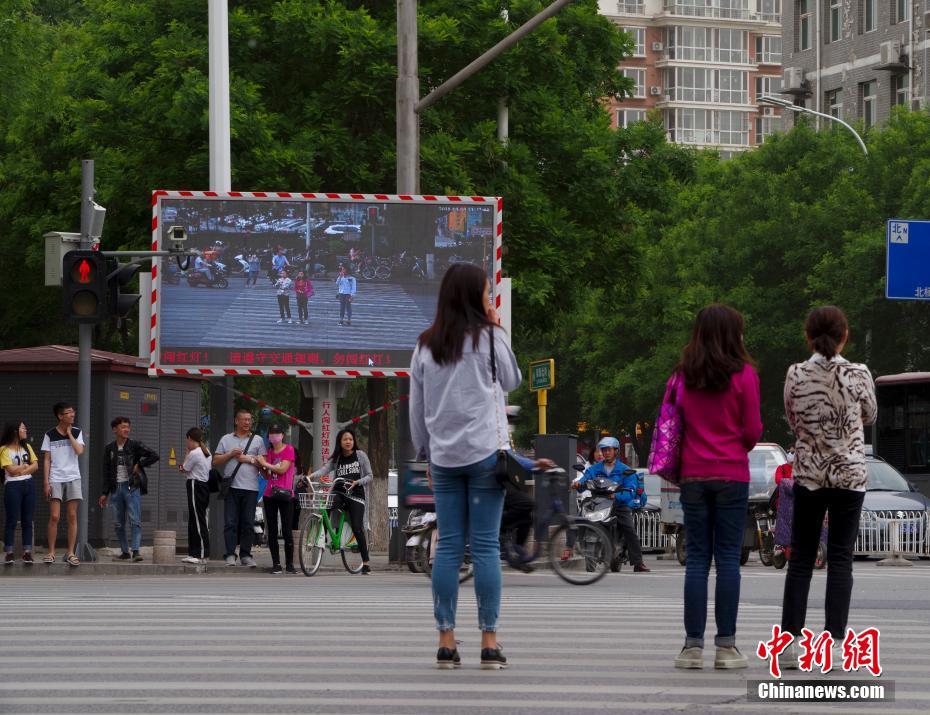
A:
x: 325, y: 393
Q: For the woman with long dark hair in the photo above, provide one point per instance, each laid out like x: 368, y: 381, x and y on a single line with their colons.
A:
x: 350, y: 463
x: 717, y: 390
x: 461, y: 369
x: 827, y: 401
x: 197, y: 466
x: 19, y: 463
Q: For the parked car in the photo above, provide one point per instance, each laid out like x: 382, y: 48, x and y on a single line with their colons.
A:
x: 895, y: 516
x: 346, y: 230
x: 764, y: 459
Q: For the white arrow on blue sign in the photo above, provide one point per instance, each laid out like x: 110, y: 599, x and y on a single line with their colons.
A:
x: 907, y: 262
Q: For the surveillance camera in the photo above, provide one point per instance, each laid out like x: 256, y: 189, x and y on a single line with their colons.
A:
x: 177, y: 233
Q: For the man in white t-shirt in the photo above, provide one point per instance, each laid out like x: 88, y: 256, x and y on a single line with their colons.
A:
x: 62, y: 445
x: 236, y: 454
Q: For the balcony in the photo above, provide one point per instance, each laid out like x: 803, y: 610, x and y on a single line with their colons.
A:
x: 719, y: 12
x: 631, y: 7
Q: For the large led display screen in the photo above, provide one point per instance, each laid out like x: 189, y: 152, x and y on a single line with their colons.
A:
x: 307, y: 284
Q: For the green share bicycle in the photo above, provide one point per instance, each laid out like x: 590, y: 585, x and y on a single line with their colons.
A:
x: 319, y: 534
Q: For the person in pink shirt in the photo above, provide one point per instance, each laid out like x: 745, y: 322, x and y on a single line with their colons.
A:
x: 717, y: 391
x: 278, y: 498
x: 303, y: 288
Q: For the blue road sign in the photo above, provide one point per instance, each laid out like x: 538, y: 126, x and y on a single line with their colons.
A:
x: 907, y: 262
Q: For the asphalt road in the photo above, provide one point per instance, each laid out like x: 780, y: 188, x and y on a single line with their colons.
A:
x: 386, y: 316
x: 350, y: 644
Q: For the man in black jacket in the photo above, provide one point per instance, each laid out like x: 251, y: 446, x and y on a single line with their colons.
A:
x: 124, y: 483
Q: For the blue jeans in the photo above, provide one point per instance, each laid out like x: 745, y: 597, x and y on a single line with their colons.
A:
x: 19, y: 504
x: 239, y: 521
x: 126, y: 505
x: 469, y: 502
x: 715, y: 517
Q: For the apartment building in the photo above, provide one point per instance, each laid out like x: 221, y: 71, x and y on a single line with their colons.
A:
x: 856, y: 59
x: 703, y: 64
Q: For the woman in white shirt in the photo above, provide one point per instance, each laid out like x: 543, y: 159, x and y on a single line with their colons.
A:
x: 196, y: 466
x: 18, y: 463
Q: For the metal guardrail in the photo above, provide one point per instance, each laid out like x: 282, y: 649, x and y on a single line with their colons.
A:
x: 648, y: 526
x: 893, y: 532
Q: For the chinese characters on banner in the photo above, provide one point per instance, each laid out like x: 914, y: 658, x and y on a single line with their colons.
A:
x: 858, y: 651
x: 278, y: 359
x: 326, y: 447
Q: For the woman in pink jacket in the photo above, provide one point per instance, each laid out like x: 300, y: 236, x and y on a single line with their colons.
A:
x: 717, y: 391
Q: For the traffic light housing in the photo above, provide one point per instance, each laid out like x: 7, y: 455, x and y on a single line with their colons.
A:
x: 121, y: 303
x: 84, y: 286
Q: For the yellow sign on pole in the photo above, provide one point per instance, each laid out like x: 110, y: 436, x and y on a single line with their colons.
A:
x: 542, y: 379
x: 172, y: 458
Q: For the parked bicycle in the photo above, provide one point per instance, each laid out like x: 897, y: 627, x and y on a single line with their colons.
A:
x: 318, y: 533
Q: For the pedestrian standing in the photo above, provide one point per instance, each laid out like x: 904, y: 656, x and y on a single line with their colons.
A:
x: 303, y: 289
x: 279, y: 262
x: 351, y: 465
x: 461, y: 369
x: 278, y: 498
x: 62, y: 445
x: 345, y: 291
x: 717, y: 392
x: 254, y: 269
x: 284, y: 285
x: 237, y: 453
x: 19, y: 463
x: 124, y: 483
x: 827, y: 401
x: 197, y: 466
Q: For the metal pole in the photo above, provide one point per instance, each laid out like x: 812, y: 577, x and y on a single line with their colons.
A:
x: 805, y: 110
x: 220, y: 153
x: 492, y: 54
x: 408, y: 92
x: 503, y: 121
x: 85, y: 334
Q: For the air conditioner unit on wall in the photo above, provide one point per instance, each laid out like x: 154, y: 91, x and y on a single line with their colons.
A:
x: 889, y: 52
x: 655, y: 90
x: 793, y: 79
x: 657, y: 47
x: 768, y: 111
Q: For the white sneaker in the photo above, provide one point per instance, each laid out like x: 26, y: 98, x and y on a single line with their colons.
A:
x: 790, y: 657
x: 231, y: 560
x: 690, y: 658
x: 729, y: 657
x: 279, y: 321
x: 249, y: 562
x: 290, y: 322
x: 191, y: 560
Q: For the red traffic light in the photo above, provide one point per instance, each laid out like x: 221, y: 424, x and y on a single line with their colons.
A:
x: 84, y: 271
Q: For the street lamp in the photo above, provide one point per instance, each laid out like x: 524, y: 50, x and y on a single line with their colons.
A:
x: 785, y: 104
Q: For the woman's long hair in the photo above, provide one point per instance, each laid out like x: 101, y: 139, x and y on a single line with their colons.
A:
x: 337, y: 452
x: 11, y: 434
x: 715, y: 351
x: 826, y: 327
x: 460, y: 311
x: 196, y: 434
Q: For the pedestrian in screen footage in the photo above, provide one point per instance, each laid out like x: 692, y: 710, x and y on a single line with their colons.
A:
x: 345, y: 291
x: 284, y: 285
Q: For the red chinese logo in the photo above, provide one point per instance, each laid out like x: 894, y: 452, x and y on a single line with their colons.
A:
x: 773, y: 648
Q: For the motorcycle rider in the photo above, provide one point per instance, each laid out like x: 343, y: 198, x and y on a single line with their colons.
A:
x: 202, y: 265
x: 624, y: 499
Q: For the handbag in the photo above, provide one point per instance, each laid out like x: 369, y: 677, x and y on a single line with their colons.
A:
x: 226, y: 482
x: 665, y: 453
x: 502, y: 473
x: 214, y: 480
x: 280, y: 494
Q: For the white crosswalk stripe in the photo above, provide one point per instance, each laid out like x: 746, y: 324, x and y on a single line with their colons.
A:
x: 344, y: 644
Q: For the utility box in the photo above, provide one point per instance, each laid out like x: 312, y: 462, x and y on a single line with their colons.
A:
x: 57, y: 244
x: 161, y: 411
x: 561, y: 449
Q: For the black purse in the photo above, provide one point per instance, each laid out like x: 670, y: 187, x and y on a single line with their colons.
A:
x: 502, y: 471
x: 280, y: 494
x: 225, y: 483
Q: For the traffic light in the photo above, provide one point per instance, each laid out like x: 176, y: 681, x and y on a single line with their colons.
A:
x: 84, y: 286
x: 122, y: 303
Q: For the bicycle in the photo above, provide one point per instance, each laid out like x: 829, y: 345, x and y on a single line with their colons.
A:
x: 318, y: 535
x: 580, y: 551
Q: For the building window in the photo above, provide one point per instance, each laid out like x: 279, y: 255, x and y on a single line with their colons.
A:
x: 868, y: 16
x: 806, y: 32
x: 639, y: 80
x: 639, y: 39
x: 900, y: 90
x: 769, y: 10
x: 732, y: 86
x: 767, y: 85
x: 733, y: 47
x: 733, y: 128
x: 768, y: 49
x: 867, y: 91
x: 707, y: 126
x: 626, y: 117
x: 836, y: 20
x: 691, y: 43
x: 631, y: 7
x: 834, y: 101
x: 765, y: 127
x: 899, y: 11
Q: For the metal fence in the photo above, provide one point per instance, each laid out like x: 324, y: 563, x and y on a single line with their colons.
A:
x: 649, y: 528
x: 893, y: 532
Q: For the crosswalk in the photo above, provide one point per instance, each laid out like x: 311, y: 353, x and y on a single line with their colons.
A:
x: 338, y: 643
x: 385, y: 316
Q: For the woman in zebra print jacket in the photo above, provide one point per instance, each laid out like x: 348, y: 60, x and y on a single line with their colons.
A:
x: 828, y: 400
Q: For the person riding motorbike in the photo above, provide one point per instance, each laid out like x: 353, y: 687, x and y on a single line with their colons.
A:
x: 202, y: 265
x: 625, y: 499
x: 518, y: 509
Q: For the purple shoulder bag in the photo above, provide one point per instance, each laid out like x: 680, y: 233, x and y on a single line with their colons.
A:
x: 665, y: 455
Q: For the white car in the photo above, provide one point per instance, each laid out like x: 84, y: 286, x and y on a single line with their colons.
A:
x: 339, y: 229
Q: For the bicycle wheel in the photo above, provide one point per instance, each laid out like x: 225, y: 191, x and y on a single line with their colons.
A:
x: 348, y: 548
x: 590, y: 552
x: 767, y: 549
x: 310, y: 545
